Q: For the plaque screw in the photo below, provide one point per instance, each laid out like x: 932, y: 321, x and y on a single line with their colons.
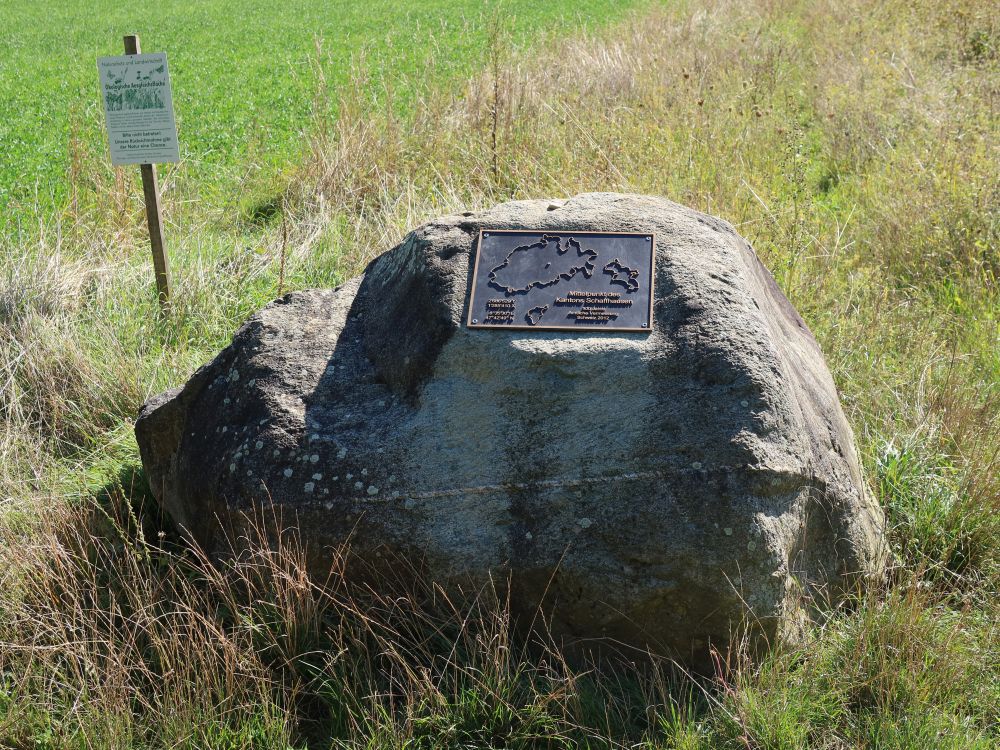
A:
x: 644, y: 325
x: 474, y: 320
x: 486, y: 234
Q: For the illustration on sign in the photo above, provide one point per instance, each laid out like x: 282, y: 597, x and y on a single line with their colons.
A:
x: 557, y: 280
x: 138, y: 109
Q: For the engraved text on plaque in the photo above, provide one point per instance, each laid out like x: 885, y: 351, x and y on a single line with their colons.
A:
x: 556, y: 280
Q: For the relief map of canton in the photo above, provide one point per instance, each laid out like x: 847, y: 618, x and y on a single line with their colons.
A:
x: 561, y: 280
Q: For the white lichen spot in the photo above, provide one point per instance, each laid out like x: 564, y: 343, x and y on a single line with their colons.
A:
x: 234, y: 375
x: 395, y: 493
x: 528, y: 535
x: 276, y: 453
x: 314, y: 436
x: 314, y: 458
x: 317, y: 477
x: 364, y: 472
x: 252, y: 382
x: 727, y: 531
x: 227, y: 401
x: 326, y: 491
x: 696, y: 465
x: 372, y: 490
x: 584, y: 523
x: 232, y: 468
x: 224, y: 429
x: 238, y: 456
x: 258, y: 445
x: 342, y: 453
x: 309, y: 486
x: 349, y: 477
x: 249, y: 473
x: 263, y: 422
x: 335, y: 479
x: 744, y: 403
x: 410, y: 503
x: 381, y: 404
x: 287, y: 472
x: 751, y: 545
x: 359, y: 485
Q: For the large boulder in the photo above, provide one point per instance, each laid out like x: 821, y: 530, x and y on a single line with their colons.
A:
x: 657, y: 489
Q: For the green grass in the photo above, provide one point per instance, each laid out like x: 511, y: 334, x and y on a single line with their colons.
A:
x: 248, y: 79
x: 853, y: 142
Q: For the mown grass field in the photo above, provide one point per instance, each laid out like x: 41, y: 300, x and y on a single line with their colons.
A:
x: 853, y: 142
x: 245, y: 78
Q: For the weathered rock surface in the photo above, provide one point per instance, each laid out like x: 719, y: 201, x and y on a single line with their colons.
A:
x: 656, y: 489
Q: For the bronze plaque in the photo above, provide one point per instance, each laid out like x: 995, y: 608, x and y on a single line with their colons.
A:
x: 560, y: 280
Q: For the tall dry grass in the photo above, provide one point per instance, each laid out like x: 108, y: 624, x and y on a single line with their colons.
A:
x: 124, y: 641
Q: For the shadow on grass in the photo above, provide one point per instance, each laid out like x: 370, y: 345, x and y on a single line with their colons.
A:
x: 127, y: 510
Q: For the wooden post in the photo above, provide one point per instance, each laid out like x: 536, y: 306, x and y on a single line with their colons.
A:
x: 154, y: 218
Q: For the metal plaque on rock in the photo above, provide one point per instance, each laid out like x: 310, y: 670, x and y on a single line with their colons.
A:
x: 562, y: 280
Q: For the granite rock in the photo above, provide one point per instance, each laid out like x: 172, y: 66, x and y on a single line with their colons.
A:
x: 660, y: 490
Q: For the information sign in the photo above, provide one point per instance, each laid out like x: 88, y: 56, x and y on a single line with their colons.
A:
x: 138, y: 109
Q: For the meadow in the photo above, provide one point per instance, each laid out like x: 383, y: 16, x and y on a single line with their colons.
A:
x: 244, y: 74
x: 853, y: 142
